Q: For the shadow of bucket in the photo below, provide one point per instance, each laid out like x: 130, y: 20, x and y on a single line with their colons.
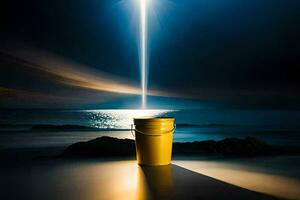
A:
x: 155, y: 182
x: 153, y: 140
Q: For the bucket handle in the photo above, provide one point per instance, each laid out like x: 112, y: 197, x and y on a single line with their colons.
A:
x: 134, y: 129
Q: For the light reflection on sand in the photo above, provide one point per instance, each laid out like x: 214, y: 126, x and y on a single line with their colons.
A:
x: 114, y: 180
x: 95, y: 180
x: 275, y: 185
x: 91, y: 180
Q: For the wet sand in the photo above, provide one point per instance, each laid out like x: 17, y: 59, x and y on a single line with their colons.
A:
x: 92, y: 179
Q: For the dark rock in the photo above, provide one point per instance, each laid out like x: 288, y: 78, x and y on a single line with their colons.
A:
x: 108, y: 146
x: 102, y: 147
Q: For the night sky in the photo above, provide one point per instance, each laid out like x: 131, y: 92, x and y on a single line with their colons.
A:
x: 202, y: 54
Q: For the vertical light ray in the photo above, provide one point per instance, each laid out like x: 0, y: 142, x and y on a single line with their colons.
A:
x: 143, y: 38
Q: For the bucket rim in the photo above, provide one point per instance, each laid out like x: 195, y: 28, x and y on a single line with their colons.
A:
x: 155, y: 119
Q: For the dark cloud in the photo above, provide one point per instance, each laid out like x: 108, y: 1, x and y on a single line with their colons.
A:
x: 233, y: 53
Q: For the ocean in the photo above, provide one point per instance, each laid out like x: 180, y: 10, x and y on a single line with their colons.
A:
x: 25, y: 134
x: 22, y: 128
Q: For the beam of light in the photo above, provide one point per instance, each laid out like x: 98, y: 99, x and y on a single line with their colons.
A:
x: 143, y: 38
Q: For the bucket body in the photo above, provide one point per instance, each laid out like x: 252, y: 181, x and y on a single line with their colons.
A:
x: 153, y: 140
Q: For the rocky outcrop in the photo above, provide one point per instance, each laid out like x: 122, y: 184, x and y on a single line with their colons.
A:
x: 102, y: 147
x: 111, y: 147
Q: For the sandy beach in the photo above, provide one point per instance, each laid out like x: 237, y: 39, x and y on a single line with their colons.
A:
x: 113, y: 180
x: 93, y: 178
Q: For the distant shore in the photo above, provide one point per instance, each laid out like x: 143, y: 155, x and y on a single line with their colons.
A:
x: 56, y: 127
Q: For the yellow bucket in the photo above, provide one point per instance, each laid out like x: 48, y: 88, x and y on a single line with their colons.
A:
x: 153, y: 140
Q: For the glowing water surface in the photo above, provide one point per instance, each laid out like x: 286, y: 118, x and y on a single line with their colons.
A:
x: 121, y: 118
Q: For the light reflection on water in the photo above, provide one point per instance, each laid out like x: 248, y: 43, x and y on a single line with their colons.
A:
x: 210, y: 124
x: 121, y: 118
